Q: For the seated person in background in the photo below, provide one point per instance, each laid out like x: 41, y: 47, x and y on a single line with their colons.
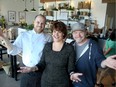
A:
x: 89, y: 57
x: 109, y: 49
x: 58, y: 59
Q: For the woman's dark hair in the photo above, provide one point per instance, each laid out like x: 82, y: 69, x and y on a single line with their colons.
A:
x: 60, y: 26
x: 113, y: 35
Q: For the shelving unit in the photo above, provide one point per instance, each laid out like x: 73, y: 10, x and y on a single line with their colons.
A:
x: 70, y: 15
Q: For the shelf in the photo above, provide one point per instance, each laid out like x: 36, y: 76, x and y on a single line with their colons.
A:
x: 43, y: 1
x: 84, y: 9
x: 67, y: 20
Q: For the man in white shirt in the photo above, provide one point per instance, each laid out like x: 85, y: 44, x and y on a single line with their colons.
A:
x: 30, y: 44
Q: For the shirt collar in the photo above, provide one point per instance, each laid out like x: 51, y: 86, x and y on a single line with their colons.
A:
x: 33, y: 31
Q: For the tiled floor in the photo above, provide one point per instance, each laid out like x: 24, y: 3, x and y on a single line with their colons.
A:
x: 107, y: 81
x: 7, y: 81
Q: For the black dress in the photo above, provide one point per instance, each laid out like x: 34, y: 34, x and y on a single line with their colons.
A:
x: 57, y: 65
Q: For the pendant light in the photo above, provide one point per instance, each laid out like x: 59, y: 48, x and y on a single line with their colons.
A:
x: 43, y: 9
x: 89, y: 14
x: 70, y: 8
x: 55, y: 9
x: 33, y: 9
x: 25, y: 6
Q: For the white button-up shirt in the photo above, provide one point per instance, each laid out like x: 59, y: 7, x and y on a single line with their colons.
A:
x: 31, y: 45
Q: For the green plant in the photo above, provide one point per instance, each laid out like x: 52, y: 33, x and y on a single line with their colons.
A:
x: 29, y: 27
x: 2, y: 21
x: 70, y: 8
x: 42, y: 9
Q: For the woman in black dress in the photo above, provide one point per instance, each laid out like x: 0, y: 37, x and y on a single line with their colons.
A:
x: 57, y: 60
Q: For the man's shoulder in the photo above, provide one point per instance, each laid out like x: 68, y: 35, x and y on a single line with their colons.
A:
x: 48, y: 37
x: 47, y: 34
x: 92, y: 41
x: 94, y: 45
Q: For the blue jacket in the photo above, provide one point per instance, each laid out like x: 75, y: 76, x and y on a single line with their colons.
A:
x: 88, y: 64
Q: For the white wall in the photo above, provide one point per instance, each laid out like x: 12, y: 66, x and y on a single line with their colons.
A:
x: 99, y: 12
x: 98, y: 9
x: 18, y: 5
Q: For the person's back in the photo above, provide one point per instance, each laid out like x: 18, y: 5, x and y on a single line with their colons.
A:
x: 110, y: 45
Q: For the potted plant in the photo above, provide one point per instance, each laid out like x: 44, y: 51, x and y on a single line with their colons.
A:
x: 70, y: 8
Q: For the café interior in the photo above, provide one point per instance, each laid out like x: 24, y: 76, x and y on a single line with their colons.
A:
x: 17, y: 16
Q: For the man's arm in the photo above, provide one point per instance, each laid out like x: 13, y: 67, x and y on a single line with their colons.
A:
x: 28, y: 69
x: 109, y: 62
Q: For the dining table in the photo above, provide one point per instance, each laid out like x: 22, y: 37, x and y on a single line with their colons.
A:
x: 13, y: 61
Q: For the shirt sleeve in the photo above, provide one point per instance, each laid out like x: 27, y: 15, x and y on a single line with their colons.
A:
x: 49, y: 37
x: 17, y: 45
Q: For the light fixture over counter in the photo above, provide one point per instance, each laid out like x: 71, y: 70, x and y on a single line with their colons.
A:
x: 33, y: 9
x: 26, y: 10
x: 43, y: 9
x: 25, y: 6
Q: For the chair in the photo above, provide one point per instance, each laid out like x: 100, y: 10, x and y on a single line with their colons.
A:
x: 3, y: 50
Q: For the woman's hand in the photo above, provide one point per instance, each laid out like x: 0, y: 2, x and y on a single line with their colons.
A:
x: 75, y: 77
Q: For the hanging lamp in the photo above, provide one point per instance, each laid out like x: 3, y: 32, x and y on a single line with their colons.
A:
x: 25, y: 6
x: 89, y: 14
x: 33, y: 9
x: 43, y: 9
x: 70, y: 8
x: 55, y: 9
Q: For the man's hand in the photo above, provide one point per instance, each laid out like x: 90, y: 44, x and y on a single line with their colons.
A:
x: 75, y: 77
x: 110, y: 62
x: 27, y: 69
